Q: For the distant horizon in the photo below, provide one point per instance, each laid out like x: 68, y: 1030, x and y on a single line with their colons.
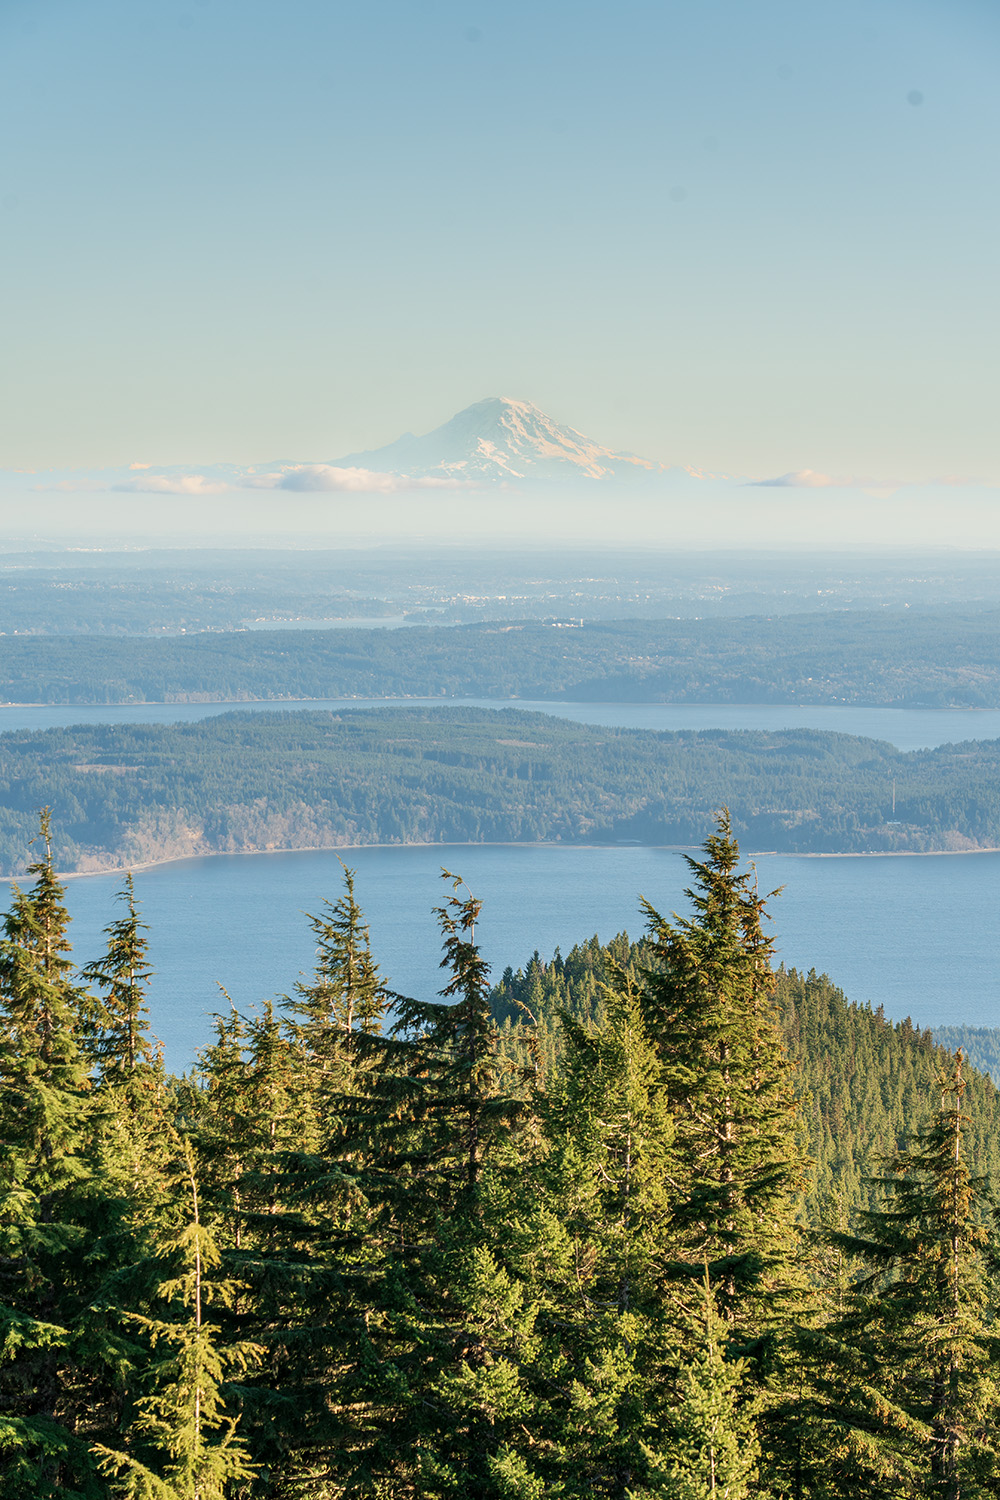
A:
x: 145, y: 476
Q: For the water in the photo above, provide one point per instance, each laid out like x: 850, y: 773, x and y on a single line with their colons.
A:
x: 917, y: 935
x: 909, y: 729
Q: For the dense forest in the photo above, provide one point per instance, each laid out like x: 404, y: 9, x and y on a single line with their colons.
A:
x: 559, y: 1238
x: 938, y: 658
x: 130, y: 794
x: 862, y: 1081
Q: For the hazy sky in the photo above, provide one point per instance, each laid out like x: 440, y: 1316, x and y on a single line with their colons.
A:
x: 743, y: 234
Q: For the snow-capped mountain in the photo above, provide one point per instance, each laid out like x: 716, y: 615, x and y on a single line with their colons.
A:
x: 499, y: 439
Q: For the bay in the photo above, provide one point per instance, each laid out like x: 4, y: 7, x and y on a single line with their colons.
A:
x: 917, y: 935
x: 908, y: 729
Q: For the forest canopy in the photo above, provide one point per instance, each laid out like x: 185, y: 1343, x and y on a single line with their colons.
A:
x: 946, y: 658
x: 129, y: 794
x: 601, y: 1229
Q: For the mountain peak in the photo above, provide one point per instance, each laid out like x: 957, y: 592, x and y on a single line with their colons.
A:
x: 500, y: 438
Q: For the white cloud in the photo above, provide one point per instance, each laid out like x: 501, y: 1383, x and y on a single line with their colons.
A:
x: 809, y: 479
x: 799, y: 479
x: 165, y: 484
x: 140, y: 466
x: 329, y: 479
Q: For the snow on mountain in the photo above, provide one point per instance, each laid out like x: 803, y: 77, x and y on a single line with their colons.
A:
x: 500, y: 439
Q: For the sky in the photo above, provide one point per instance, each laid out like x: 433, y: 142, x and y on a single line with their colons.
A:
x: 757, y: 238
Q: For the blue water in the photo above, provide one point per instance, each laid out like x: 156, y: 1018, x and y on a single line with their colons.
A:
x: 917, y: 935
x: 909, y: 729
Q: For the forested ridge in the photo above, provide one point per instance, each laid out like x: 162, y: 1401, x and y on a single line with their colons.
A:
x: 863, y: 1081
x: 560, y: 1238
x: 129, y: 794
x: 943, y: 658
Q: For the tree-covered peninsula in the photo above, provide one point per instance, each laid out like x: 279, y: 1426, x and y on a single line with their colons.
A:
x: 130, y: 794
x: 603, y: 1229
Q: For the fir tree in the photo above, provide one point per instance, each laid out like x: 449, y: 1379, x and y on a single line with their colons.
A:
x: 713, y: 1445
x: 910, y: 1394
x: 608, y: 1168
x: 709, y: 1010
x: 184, y: 1444
x: 443, y: 1322
x: 346, y: 994
x: 44, y: 1175
x: 120, y: 1047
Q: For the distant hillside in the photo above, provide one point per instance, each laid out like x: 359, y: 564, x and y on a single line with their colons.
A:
x: 131, y: 794
x: 980, y: 1044
x: 865, y: 1082
x: 934, y: 659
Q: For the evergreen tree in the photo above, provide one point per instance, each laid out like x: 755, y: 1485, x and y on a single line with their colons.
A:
x: 607, y: 1175
x: 709, y: 1010
x: 910, y: 1395
x: 120, y: 1047
x: 345, y: 996
x: 713, y: 1446
x: 44, y: 1174
x: 442, y: 1320
x: 184, y: 1444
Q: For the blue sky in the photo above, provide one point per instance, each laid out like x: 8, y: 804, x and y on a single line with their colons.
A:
x: 753, y: 237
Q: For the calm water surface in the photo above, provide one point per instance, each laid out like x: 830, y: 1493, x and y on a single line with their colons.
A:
x: 916, y: 935
x: 909, y: 729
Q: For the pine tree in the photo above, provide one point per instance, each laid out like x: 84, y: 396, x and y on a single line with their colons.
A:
x: 434, y: 1383
x: 709, y: 1010
x: 133, y: 1105
x: 44, y: 1177
x: 184, y: 1444
x: 606, y: 1174
x: 713, y: 1446
x: 120, y: 1047
x: 911, y: 1398
x: 345, y: 996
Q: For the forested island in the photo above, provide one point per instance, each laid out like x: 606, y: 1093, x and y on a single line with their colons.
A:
x: 936, y: 658
x: 608, y: 1227
x: 125, y: 795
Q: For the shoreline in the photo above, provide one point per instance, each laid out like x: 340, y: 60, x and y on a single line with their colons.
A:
x: 425, y: 698
x: 747, y: 854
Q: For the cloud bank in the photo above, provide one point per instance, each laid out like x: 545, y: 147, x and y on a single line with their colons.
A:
x: 303, y: 478
x: 800, y: 479
x: 165, y: 484
x: 326, y: 478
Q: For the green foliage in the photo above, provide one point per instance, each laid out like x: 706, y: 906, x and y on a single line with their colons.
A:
x: 119, y: 1047
x: 544, y: 1240
x: 131, y: 793
x: 183, y: 1420
x: 713, y: 1445
x: 938, y: 658
x: 913, y: 1343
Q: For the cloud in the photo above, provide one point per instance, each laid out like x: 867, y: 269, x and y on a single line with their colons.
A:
x: 140, y: 466
x: 165, y: 484
x: 149, y: 484
x: 809, y: 479
x: 328, y: 479
x: 800, y: 479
